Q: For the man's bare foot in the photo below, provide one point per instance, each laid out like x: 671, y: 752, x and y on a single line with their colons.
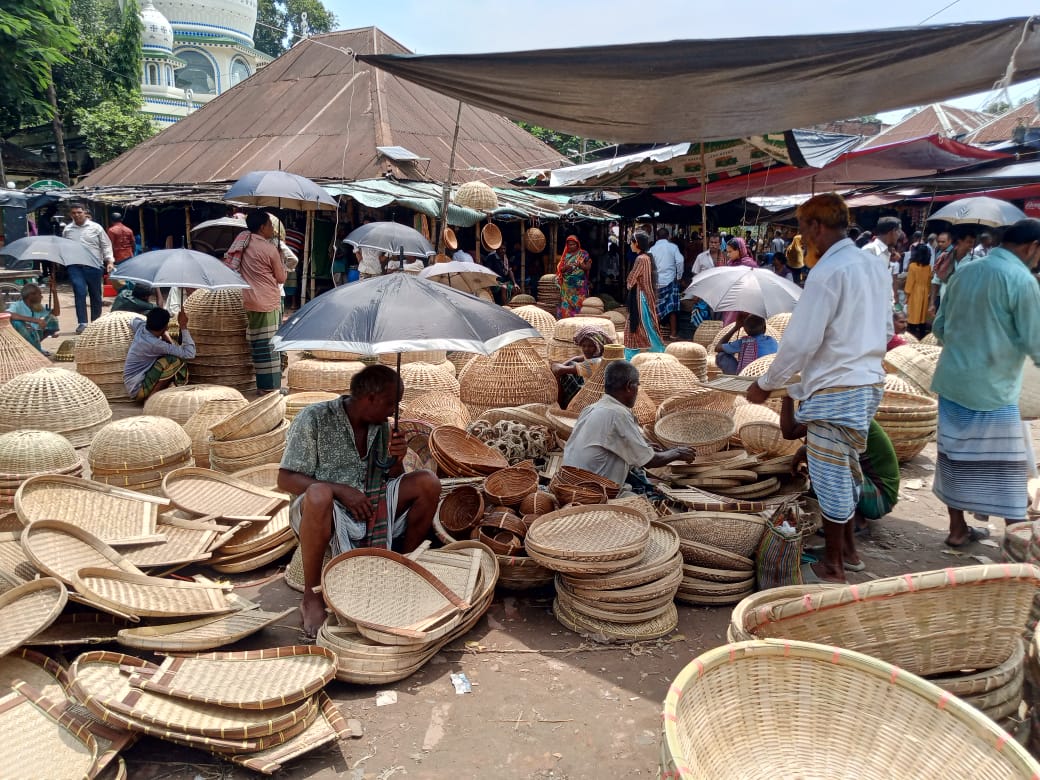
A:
x: 312, y: 610
x: 971, y: 534
x: 825, y: 574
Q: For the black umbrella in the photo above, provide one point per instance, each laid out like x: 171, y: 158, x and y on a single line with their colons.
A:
x: 179, y: 268
x: 391, y: 238
x: 280, y: 189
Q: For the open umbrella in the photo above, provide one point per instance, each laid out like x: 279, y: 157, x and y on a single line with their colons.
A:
x: 280, y: 189
x: 460, y: 275
x: 393, y: 238
x: 216, y: 235
x: 54, y: 249
x: 179, y: 268
x: 739, y: 288
x: 979, y: 211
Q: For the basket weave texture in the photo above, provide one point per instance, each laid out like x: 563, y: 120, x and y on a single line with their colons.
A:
x: 53, y: 399
x: 534, y: 240
x: 663, y: 377
x: 914, y: 363
x: 910, y: 420
x: 539, y: 319
x: 512, y: 376
x: 218, y: 326
x: 421, y: 378
x: 437, y: 408
x: 26, y: 452
x: 17, y: 356
x: 702, y: 429
x: 180, y: 403
x: 198, y: 425
x: 692, y: 355
x: 329, y: 376
x: 101, y: 349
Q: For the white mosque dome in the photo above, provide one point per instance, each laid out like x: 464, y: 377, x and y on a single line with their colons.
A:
x: 157, y: 33
x: 202, y: 19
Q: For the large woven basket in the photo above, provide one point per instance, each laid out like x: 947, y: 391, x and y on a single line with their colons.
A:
x: 663, y: 376
x: 512, y: 376
x: 438, y: 408
x: 910, y: 420
x: 566, y: 329
x: 17, y: 356
x: 216, y: 310
x: 330, y: 376
x: 692, y: 355
x: 475, y: 195
x: 706, y: 333
x: 704, y: 430
x: 732, y: 531
x: 198, y: 425
x: 539, y: 319
x: 913, y: 364
x: 24, y: 453
x: 698, y: 398
x: 249, y: 446
x: 420, y: 378
x: 53, y: 399
x: 461, y: 510
x: 729, y: 714
x: 766, y: 439
x: 415, y: 356
x: 262, y: 415
x: 105, y: 342
x: 297, y: 402
x: 138, y: 443
x: 328, y: 354
x: 180, y: 403
x: 534, y: 240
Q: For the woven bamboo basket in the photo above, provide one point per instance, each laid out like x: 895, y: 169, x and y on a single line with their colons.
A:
x: 420, y: 378
x: 297, y: 402
x: 106, y: 340
x: 766, y: 439
x: 17, y: 356
x: 328, y: 354
x: 436, y: 409
x: 260, y: 416
x: 421, y: 356
x: 915, y: 366
x: 931, y: 339
x: 25, y: 453
x: 540, y: 320
x: 534, y: 240
x: 910, y: 420
x: 491, y: 236
x: 896, y: 384
x: 565, y: 330
x: 706, y: 333
x: 510, y: 486
x: 663, y: 377
x: 216, y: 310
x: 461, y: 510
x: 697, y: 398
x: 521, y: 299
x: 460, y: 359
x: 249, y: 446
x: 706, y: 431
x: 198, y: 425
x: 140, y: 443
x: 475, y: 195
x: 460, y: 454
x: 330, y: 376
x: 732, y: 531
x: 65, y: 353
x: 692, y: 356
x: 711, y: 730
x: 180, y: 403
x: 538, y: 502
x: 512, y: 376
x: 231, y: 465
x: 53, y: 399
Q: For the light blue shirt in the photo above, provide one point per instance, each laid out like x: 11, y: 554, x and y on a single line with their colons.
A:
x: 145, y: 349
x: 989, y: 323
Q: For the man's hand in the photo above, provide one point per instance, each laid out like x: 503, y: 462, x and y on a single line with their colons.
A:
x: 182, y: 319
x: 355, y: 501
x: 398, y: 445
x: 931, y: 310
x: 110, y: 267
x: 757, y: 395
x: 685, y: 453
x: 41, y: 321
x: 800, y: 464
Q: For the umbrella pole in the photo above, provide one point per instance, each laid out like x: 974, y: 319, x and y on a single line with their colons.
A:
x: 523, y: 258
x: 704, y: 198
x: 302, y: 276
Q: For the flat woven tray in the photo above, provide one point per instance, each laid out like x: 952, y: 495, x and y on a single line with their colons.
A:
x: 14, y: 564
x: 206, y: 492
x: 462, y: 454
x: 247, y: 680
x: 80, y: 628
x: 738, y: 385
x: 200, y: 635
x: 144, y: 596
x: 43, y: 674
x: 259, y: 536
x: 40, y: 740
x: 185, y: 541
x: 238, y: 564
x: 590, y: 533
x: 607, y: 631
x: 60, y: 549
x: 28, y: 609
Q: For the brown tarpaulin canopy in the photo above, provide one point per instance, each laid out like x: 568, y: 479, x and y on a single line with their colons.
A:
x: 719, y: 89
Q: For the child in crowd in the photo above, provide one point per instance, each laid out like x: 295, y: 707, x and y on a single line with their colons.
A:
x: 732, y: 357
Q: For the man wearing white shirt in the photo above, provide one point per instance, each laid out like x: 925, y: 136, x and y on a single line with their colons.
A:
x: 841, y: 327
x: 87, y: 279
x: 886, y: 234
x: 710, y: 257
x: 669, y: 263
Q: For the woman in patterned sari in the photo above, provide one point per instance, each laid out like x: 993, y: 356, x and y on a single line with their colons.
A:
x: 572, y: 273
x: 642, y: 331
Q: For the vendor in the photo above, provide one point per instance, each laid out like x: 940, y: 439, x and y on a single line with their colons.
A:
x: 334, y: 466
x: 154, y: 360
x: 572, y: 373
x: 732, y: 357
x: 607, y: 440
x: 136, y: 299
x: 34, y: 321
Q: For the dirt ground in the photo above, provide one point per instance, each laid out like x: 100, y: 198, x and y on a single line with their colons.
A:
x: 546, y: 704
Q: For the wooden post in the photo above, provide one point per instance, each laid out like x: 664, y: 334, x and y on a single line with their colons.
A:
x: 446, y: 195
x: 140, y: 220
x: 302, y: 274
x: 477, y: 246
x: 552, y: 242
x: 523, y: 256
x: 704, y: 198
x: 187, y: 226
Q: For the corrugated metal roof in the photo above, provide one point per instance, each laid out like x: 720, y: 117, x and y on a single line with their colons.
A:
x: 318, y: 112
x: 935, y: 119
x: 1002, y: 127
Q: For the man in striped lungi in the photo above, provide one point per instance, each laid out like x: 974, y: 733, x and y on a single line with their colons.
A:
x: 841, y: 325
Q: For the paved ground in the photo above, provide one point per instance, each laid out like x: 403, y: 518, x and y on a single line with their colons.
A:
x: 545, y: 704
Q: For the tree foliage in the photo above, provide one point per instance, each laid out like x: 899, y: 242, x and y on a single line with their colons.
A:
x: 113, y: 126
x: 286, y: 15
x: 125, y: 59
x: 567, y: 145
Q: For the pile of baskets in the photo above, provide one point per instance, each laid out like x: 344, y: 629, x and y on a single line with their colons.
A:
x: 180, y: 403
x: 26, y: 453
x: 198, y: 425
x: 53, y: 399
x: 592, y: 307
x: 692, y: 356
x: 914, y: 363
x: 101, y: 349
x: 909, y: 420
x: 460, y: 454
x: 17, y: 356
x: 138, y: 452
x: 512, y: 376
x: 322, y: 375
x: 735, y: 474
x: 548, y: 294
x: 251, y: 436
x: 217, y: 322
x: 561, y: 346
x: 662, y: 376
x: 437, y: 409
x: 573, y: 485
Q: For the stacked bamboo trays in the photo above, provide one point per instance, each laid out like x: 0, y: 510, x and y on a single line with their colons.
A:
x: 137, y: 452
x: 198, y: 425
x: 692, y: 356
x: 420, y: 378
x: 961, y: 628
x: 180, y: 403
x: 592, y: 307
x: 662, y: 376
x: 396, y: 612
x: 27, y: 453
x: 914, y: 363
x: 703, y: 430
x: 218, y: 326
x: 621, y: 573
x: 736, y: 475
x: 512, y: 376
x: 250, y: 436
x: 730, y: 712
x: 101, y: 350
x: 718, y: 550
x: 259, y: 708
x: 17, y: 356
x: 910, y: 420
x: 460, y: 454
x: 548, y: 294
x: 297, y: 402
x: 706, y: 333
x: 328, y: 376
x: 438, y: 408
x: 53, y: 399
x: 562, y: 347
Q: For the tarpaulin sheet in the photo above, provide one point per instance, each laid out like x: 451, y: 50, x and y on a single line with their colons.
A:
x: 711, y: 90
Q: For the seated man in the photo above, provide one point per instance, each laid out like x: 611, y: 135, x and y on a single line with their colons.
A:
x: 899, y: 328
x: 572, y: 373
x: 334, y: 466
x: 879, y: 479
x: 137, y: 300
x: 607, y: 439
x: 155, y: 360
x: 734, y: 356
x: 34, y: 321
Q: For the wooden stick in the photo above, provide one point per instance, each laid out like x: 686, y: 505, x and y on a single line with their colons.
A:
x: 187, y: 226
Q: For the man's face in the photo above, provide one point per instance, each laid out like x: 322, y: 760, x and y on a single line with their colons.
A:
x: 79, y: 216
x: 809, y: 229
x: 713, y: 243
x: 1032, y: 255
x: 267, y: 230
x: 891, y: 238
x: 964, y: 245
x: 942, y: 241
x: 628, y: 395
x: 379, y: 406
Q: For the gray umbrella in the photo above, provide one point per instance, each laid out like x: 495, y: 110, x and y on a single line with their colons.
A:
x: 216, y: 235
x: 980, y: 211
x: 53, y: 249
x: 179, y: 268
x: 280, y: 189
x: 393, y: 238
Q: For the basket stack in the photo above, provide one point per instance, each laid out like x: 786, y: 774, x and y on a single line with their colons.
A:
x: 421, y: 378
x: 573, y: 485
x: 693, y: 357
x: 217, y: 321
x: 910, y: 422
x: 26, y: 453
x: 662, y: 376
x: 438, y: 409
x: 718, y: 550
x: 53, y: 399
x: 562, y: 347
x: 592, y: 307
x: 250, y: 436
x: 737, y: 475
x: 17, y: 356
x: 915, y: 363
x: 460, y: 454
x: 744, y: 413
x: 198, y: 425
x: 395, y: 613
x: 512, y: 376
x: 327, y: 376
x: 100, y: 352
x: 297, y: 402
x: 138, y: 452
x: 548, y: 294
x: 180, y: 403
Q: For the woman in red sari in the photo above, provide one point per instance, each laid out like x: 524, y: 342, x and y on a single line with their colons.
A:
x: 642, y: 330
x: 572, y: 273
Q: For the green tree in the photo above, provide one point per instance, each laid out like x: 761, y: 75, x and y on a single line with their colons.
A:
x: 567, y: 145
x: 113, y: 126
x: 996, y: 107
x: 125, y: 57
x: 275, y: 17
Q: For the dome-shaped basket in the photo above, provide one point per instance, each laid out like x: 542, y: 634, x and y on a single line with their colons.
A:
x: 262, y: 415
x: 24, y: 453
x: 521, y: 299
x: 17, y: 356
x: 476, y: 195
x: 180, y: 403
x: 512, y: 376
x: 53, y: 399
x: 434, y: 356
x: 329, y: 376
x: 896, y: 384
x: 137, y: 444
x: 663, y: 376
x: 215, y: 310
x: 777, y: 324
x: 692, y: 355
x: 491, y: 236
x: 539, y: 319
x: 437, y: 408
x: 566, y: 329
x: 932, y: 339
x: 765, y: 438
x: 421, y: 378
x: 462, y: 509
x: 105, y: 342
x: 707, y: 332
x: 538, y: 502
x: 913, y: 365
x: 759, y: 367
x: 508, y: 487
x: 534, y: 240
x: 704, y: 430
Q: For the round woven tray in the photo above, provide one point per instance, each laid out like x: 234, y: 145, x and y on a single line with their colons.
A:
x: 512, y: 376
x: 510, y: 486
x: 250, y: 446
x: 330, y: 376
x: 704, y: 430
x: 180, y: 403
x: 261, y: 416
x: 24, y: 453
x: 737, y: 533
x: 27, y: 609
x: 53, y: 399
x: 231, y: 465
x: 609, y: 631
x: 438, y: 409
x: 591, y: 534
x: 461, y: 454
x: 137, y: 444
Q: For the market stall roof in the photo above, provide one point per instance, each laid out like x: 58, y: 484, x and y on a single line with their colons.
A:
x: 935, y: 119
x: 318, y: 112
x: 719, y: 89
x: 1001, y: 128
x: 923, y: 155
x: 975, y: 178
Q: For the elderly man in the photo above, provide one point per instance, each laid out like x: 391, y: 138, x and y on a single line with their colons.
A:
x: 607, y: 439
x: 86, y: 279
x: 334, y: 466
x: 989, y: 324
x: 840, y: 328
x: 668, y: 265
x: 154, y: 360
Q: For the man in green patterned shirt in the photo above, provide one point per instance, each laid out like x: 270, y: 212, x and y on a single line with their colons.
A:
x: 343, y: 497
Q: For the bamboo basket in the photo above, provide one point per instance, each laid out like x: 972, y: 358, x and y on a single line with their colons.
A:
x: 27, y: 609
x: 914, y: 365
x: 420, y: 378
x: 106, y: 340
x: 512, y: 376
x: 539, y: 319
x: 460, y: 359
x: 231, y: 465
x: 767, y: 440
x: 706, y: 333
x: 328, y: 354
x: 198, y: 425
x: 17, y: 356
x: 250, y: 446
x: 461, y: 510
x: 297, y: 402
x: 139, y: 443
x: 909, y: 420
x: 437, y: 408
x: 521, y: 299
x: 664, y: 377
x: 534, y: 240
x: 435, y: 356
x: 261, y: 416
x: 53, y: 399
x: 704, y: 430
x: 180, y: 403
x: 216, y: 310
x: 510, y: 486
x: 25, y: 453
x: 734, y: 532
x: 697, y: 398
x: 692, y: 356
x: 330, y: 376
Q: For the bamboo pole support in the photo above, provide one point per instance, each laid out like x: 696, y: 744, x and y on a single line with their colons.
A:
x: 187, y: 226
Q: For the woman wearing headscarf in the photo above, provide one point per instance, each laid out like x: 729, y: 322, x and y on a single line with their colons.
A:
x: 737, y: 254
x: 642, y: 330
x: 572, y: 273
x: 572, y: 373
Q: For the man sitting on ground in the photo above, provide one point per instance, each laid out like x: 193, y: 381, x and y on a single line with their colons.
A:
x: 154, y: 360
x: 34, y: 321
x: 137, y: 300
x: 732, y: 357
x: 607, y: 439
x: 334, y: 466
